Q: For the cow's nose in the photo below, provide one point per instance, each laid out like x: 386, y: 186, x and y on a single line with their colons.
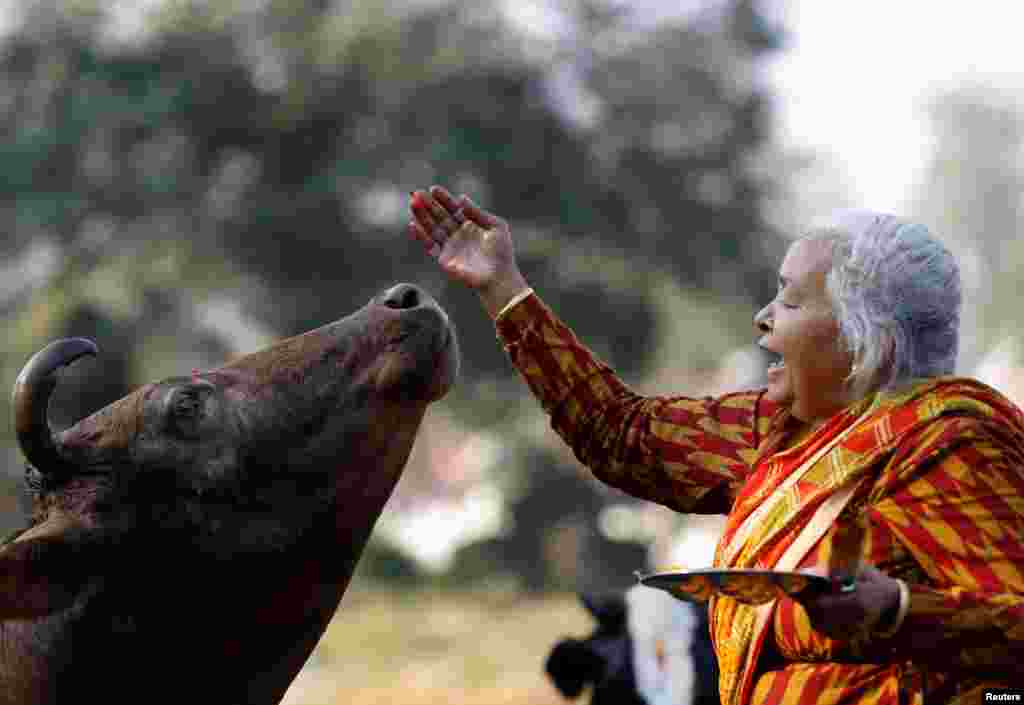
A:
x: 402, y: 296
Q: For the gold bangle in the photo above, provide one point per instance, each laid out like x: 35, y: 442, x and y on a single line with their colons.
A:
x: 512, y: 302
x: 901, y: 612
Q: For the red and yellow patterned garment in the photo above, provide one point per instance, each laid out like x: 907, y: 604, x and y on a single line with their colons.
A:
x: 939, y: 478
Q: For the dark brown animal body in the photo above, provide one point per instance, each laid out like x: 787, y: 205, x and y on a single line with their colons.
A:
x: 191, y: 541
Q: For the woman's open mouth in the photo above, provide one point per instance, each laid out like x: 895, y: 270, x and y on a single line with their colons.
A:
x: 776, y: 363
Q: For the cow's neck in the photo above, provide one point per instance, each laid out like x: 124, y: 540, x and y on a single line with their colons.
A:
x: 304, y: 603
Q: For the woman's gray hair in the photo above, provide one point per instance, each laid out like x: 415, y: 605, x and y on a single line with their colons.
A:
x: 895, y: 290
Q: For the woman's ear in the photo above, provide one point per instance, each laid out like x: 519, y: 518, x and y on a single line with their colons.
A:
x: 885, y: 370
x: 862, y: 381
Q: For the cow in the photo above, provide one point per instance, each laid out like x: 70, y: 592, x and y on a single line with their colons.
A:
x: 190, y: 542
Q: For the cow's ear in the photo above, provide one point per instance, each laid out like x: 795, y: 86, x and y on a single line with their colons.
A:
x: 41, y: 572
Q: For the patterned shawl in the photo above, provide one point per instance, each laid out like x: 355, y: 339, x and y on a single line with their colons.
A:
x: 793, y: 496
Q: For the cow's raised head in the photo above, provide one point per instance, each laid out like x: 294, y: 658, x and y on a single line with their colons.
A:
x: 220, y: 513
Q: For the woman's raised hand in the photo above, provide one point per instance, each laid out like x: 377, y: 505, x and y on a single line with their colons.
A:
x: 471, y: 246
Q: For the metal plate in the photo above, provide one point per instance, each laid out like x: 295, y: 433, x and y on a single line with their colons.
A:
x: 752, y: 587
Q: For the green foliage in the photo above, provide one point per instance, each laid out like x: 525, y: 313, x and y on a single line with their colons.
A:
x: 266, y: 154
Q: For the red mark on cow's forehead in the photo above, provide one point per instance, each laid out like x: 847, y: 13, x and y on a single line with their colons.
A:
x: 113, y: 426
x: 230, y: 376
x: 237, y: 383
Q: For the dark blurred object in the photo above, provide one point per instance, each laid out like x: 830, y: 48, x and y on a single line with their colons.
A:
x: 705, y: 663
x: 604, y: 660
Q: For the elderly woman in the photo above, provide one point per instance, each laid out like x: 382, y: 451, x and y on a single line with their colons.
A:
x: 862, y: 444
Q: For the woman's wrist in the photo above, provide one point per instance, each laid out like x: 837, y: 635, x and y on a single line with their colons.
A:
x: 892, y: 618
x: 505, y: 291
x: 512, y: 303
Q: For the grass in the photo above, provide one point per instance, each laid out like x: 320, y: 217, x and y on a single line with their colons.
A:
x: 419, y: 647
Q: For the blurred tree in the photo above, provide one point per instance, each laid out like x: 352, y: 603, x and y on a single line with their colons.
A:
x: 284, y: 137
x: 682, y: 121
x: 971, y: 195
x: 270, y: 147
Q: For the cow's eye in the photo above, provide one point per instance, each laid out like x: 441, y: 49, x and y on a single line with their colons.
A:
x: 186, y: 409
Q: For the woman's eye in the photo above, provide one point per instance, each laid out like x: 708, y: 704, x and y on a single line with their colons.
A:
x: 789, y: 307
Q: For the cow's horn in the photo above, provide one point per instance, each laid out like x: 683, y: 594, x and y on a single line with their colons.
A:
x: 31, y: 400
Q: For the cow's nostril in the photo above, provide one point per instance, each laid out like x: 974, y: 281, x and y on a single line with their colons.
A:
x: 402, y: 296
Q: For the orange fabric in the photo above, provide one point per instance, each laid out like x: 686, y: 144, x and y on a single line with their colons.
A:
x: 941, y: 494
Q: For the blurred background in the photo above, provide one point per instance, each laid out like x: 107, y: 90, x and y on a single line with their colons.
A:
x: 185, y: 180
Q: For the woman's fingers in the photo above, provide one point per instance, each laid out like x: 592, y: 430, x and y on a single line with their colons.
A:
x: 438, y: 217
x: 463, y: 208
x: 449, y: 204
x: 421, y: 212
x: 433, y: 223
x: 441, y: 216
x: 853, y: 606
x: 434, y: 218
x: 416, y: 231
x: 446, y: 211
x: 482, y: 218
